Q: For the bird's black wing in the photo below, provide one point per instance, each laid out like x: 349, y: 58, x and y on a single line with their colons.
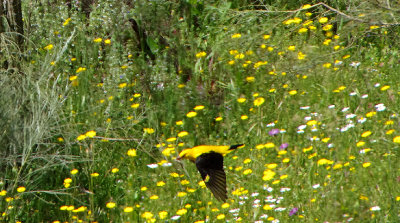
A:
x: 212, y: 165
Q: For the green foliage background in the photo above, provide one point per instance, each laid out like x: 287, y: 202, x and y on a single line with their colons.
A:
x: 94, y: 112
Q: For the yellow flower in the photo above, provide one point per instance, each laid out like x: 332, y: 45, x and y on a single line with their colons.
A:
x: 3, y: 193
x: 292, y: 48
x: 148, y: 130
x: 131, y: 152
x: 250, y: 79
x: 269, y: 145
x: 246, y: 161
x: 219, y: 118
x: 201, y: 54
x: 80, y: 209
x: 154, y: 197
x: 390, y: 131
x: 346, y: 56
x: 233, y: 52
x: 143, y: 188
x: 307, y: 6
x: 236, y: 36
x: 366, y: 164
x: 324, y: 161
x: 268, y: 175
x: 327, y: 42
x: 311, y: 122
x: 220, y: 216
x: 366, y: 134
x: 174, y: 175
x: 191, y: 114
x: 323, y: 20
x: 293, y: 92
x: 21, y: 189
x: 72, y: 78
x: 247, y: 171
x: 327, y: 27
x: 241, y: 100
x: 185, y: 182
x: 111, y: 205
x: 327, y: 65
x: 114, y: 170
x: 122, y: 85
x: 147, y: 215
x: 225, y: 205
x: 182, y: 194
x: 66, y: 21
x: 259, y: 101
x: 271, y: 165
x: 97, y: 40
x: 301, y: 56
x: 244, y: 117
x: 183, y: 134
x: 370, y: 114
x: 199, y: 107
x: 302, y: 30
x: 172, y: 139
x: 162, y: 214
x: 266, y: 36
x: 80, y: 69
x: 384, y: 88
x: 49, y: 47
x: 326, y: 139
x: 90, y: 134
x: 94, y: 174
x: 74, y: 171
x: 239, y: 56
x: 181, y: 211
x: 135, y: 105
x: 128, y: 209
x: 81, y: 137
x: 267, y: 207
x: 160, y: 184
x: 337, y: 166
x: 360, y: 143
x: 107, y: 41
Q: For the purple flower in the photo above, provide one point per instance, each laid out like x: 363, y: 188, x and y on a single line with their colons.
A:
x: 273, y: 132
x: 284, y: 146
x: 293, y: 211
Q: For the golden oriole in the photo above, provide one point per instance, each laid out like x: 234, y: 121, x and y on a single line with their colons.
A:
x: 210, y: 163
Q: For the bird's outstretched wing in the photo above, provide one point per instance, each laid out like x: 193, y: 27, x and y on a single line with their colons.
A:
x: 211, y: 168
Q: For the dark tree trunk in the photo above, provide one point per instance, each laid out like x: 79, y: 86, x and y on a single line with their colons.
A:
x: 18, y: 23
x: 11, y: 19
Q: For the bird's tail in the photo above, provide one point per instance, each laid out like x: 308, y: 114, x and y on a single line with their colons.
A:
x: 235, y: 146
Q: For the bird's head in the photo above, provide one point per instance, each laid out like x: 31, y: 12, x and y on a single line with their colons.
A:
x: 182, y: 155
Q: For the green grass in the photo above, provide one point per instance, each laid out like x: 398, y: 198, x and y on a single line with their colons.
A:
x: 91, y: 126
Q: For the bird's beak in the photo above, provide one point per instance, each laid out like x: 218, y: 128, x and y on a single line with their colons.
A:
x: 178, y: 158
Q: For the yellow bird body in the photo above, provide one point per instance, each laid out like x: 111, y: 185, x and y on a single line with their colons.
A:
x: 192, y: 153
x: 209, y: 161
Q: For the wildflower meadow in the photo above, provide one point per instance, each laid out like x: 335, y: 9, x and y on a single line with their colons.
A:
x: 101, y: 96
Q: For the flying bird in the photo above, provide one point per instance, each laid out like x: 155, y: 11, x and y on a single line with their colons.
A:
x: 209, y: 161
